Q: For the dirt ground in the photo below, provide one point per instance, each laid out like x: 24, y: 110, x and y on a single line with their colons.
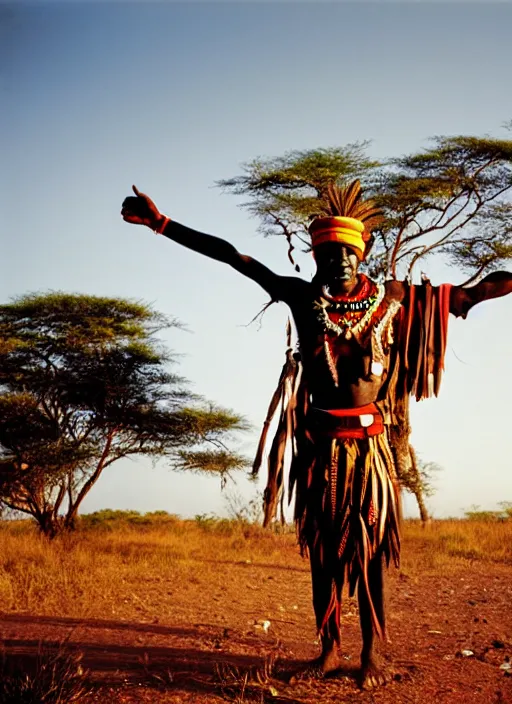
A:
x: 451, y: 639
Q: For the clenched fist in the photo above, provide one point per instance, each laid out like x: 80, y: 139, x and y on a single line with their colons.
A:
x: 141, y: 210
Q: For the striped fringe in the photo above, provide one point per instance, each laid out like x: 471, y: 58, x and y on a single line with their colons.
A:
x: 348, y: 511
x: 423, y: 334
x: 283, y: 445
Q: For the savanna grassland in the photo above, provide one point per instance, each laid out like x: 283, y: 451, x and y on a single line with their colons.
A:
x: 157, y: 609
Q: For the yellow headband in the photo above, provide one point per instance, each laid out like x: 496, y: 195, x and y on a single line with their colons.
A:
x: 344, y: 230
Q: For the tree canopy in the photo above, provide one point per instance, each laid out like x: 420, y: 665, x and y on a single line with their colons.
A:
x: 452, y: 199
x: 84, y: 382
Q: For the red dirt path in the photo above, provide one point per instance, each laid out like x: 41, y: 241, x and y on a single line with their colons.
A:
x: 198, y: 651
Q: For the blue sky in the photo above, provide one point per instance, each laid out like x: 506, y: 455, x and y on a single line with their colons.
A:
x: 172, y: 97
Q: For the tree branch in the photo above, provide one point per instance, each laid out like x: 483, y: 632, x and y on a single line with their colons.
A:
x: 434, y: 227
x: 60, y: 497
x: 17, y: 508
x: 397, y: 245
x: 287, y: 233
x: 70, y: 488
x: 73, y: 509
x: 476, y: 275
x: 446, y: 237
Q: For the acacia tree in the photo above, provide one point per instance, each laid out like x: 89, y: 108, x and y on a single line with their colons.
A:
x: 84, y: 382
x: 451, y: 200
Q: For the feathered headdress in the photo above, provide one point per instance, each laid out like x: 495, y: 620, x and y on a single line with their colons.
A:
x: 346, y: 218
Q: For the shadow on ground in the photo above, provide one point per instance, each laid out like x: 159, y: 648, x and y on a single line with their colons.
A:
x: 210, y: 670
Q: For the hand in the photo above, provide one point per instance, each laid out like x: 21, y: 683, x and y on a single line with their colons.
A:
x: 141, y: 210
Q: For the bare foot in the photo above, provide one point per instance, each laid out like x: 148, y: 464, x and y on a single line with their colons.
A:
x: 326, y: 663
x: 374, y: 675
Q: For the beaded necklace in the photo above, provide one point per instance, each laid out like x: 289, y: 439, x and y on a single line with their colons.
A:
x: 360, y: 300
x: 355, y: 312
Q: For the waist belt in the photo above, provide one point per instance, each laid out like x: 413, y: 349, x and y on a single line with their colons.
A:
x: 361, y: 422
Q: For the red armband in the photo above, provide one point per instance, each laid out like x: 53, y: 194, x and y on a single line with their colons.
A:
x: 160, y: 229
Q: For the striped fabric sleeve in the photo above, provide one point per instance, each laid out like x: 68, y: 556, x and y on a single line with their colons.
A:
x: 422, y: 339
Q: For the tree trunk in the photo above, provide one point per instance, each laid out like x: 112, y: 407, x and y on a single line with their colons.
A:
x: 48, y: 524
x: 405, y: 457
x: 70, y: 524
x: 51, y: 524
x: 71, y: 516
x: 418, y: 489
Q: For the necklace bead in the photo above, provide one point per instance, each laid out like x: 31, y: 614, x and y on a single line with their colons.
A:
x: 350, y: 311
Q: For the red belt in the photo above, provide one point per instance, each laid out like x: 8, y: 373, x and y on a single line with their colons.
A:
x: 360, y: 422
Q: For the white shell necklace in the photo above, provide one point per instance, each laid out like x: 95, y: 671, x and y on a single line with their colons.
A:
x: 347, y: 329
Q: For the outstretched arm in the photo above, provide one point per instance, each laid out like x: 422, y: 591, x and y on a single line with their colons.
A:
x: 142, y: 211
x: 497, y: 284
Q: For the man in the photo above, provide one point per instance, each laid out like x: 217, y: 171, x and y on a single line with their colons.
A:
x: 364, y: 347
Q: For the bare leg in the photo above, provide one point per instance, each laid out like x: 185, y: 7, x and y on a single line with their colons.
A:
x: 328, y: 661
x: 323, y: 586
x: 372, y: 673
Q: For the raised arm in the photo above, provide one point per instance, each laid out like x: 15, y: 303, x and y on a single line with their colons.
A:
x: 141, y: 210
x: 497, y: 284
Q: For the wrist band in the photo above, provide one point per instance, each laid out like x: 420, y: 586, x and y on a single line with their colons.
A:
x: 160, y: 229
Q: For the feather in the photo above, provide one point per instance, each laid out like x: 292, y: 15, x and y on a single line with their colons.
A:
x: 375, y: 504
x: 383, y: 508
x: 347, y: 201
x: 289, y: 371
x: 333, y: 477
x: 364, y: 563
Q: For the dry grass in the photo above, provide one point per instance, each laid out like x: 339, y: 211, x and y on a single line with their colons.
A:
x: 104, y: 569
x: 206, y: 583
x: 56, y: 677
x: 93, y: 572
x: 450, y: 544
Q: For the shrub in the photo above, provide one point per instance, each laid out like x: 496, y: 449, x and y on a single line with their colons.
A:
x: 57, y: 677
